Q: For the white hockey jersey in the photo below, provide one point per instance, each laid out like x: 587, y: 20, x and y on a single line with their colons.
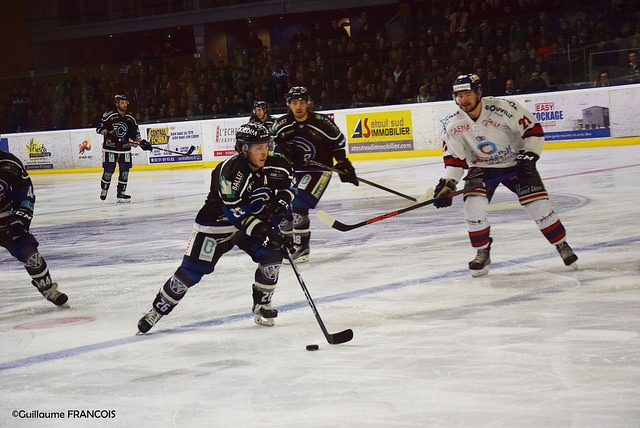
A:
x: 503, y: 128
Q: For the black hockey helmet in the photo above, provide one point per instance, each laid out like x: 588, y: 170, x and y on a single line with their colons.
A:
x: 467, y: 82
x: 119, y: 97
x: 251, y: 133
x: 298, y: 92
x: 260, y: 104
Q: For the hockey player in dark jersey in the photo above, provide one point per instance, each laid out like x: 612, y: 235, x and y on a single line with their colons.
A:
x: 302, y: 134
x: 17, y: 201
x: 249, y: 194
x: 261, y: 114
x: 120, y: 131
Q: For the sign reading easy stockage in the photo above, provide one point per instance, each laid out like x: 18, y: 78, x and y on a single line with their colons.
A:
x: 372, y: 132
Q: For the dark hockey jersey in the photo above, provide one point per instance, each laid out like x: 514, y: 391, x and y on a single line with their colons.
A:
x: 238, y: 194
x: 121, y: 128
x: 318, y: 137
x: 16, y: 189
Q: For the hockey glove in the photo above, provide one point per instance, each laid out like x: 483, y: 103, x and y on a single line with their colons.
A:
x: 19, y: 224
x: 349, y: 175
x: 526, y: 166
x: 145, y: 145
x: 272, y: 238
x: 276, y: 206
x: 443, y: 189
x: 293, y: 153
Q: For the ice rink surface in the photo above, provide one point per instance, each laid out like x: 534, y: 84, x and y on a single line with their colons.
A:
x: 533, y: 344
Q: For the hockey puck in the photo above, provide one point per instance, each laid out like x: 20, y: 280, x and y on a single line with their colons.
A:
x: 312, y: 347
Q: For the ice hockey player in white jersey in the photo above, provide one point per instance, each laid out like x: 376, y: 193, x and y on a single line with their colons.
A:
x: 493, y: 137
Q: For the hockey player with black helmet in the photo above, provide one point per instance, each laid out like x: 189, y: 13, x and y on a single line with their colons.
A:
x: 300, y: 135
x: 493, y: 138
x: 120, y: 131
x: 248, y: 195
x: 261, y: 114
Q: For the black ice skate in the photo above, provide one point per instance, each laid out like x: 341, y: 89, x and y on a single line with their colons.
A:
x: 123, y: 198
x: 52, y: 294
x: 103, y: 194
x: 568, y: 256
x: 480, y: 265
x: 300, y: 254
x: 148, y: 320
x: 264, y: 315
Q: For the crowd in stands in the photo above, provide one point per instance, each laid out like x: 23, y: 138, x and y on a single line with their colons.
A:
x: 515, y: 47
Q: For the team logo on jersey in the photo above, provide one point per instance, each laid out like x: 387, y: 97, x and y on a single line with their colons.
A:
x: 487, y: 147
x: 177, y: 287
x: 270, y: 272
x: 307, y: 147
x: 34, y: 261
x: 304, y: 181
x: 259, y: 199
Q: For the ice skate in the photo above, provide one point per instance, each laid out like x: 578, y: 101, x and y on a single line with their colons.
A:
x: 300, y: 254
x: 568, y: 256
x: 148, y: 320
x: 52, y: 294
x: 480, y: 265
x: 103, y: 194
x: 123, y: 198
x: 264, y: 315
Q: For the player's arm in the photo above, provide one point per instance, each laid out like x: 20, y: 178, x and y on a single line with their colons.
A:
x: 533, y: 137
x: 23, y: 198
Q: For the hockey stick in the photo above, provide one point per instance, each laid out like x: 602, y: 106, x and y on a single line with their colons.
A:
x: 362, y: 180
x: 330, y: 221
x: 187, y: 153
x: 333, y: 339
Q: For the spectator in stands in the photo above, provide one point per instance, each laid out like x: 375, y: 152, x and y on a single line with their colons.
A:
x: 510, y: 87
x: 602, y: 80
x: 536, y: 83
x: 633, y: 69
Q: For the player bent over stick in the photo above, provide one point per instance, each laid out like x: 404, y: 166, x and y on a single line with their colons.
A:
x: 17, y: 201
x: 247, y: 190
x: 493, y: 137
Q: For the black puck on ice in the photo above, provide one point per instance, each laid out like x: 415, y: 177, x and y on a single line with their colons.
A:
x: 312, y: 347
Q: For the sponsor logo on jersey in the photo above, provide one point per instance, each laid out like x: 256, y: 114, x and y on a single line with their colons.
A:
x: 498, y: 110
x: 304, y: 181
x: 460, y: 128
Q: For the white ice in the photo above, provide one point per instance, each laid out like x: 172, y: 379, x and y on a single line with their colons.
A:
x: 533, y: 344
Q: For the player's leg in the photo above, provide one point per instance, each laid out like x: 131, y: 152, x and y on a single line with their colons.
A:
x: 25, y: 249
x: 109, y: 167
x: 203, y: 252
x: 476, y: 205
x: 265, y: 279
x: 535, y: 200
x: 124, y: 165
x: 311, y: 187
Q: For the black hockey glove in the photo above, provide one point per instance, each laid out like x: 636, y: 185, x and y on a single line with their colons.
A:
x: 443, y: 189
x: 293, y: 153
x: 526, y: 166
x: 276, y: 207
x: 19, y: 224
x: 273, y: 238
x: 349, y: 175
x: 145, y: 145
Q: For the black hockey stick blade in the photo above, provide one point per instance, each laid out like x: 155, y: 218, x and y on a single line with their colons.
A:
x: 332, y: 338
x: 332, y: 222
x: 362, y: 180
x: 191, y: 149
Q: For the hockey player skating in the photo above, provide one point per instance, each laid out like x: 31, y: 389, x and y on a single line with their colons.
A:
x: 302, y: 134
x: 261, y: 114
x: 17, y: 201
x: 493, y: 137
x: 247, y: 190
x: 119, y: 129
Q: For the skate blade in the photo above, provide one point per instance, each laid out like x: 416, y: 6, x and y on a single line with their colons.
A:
x: 123, y: 201
x: 481, y: 272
